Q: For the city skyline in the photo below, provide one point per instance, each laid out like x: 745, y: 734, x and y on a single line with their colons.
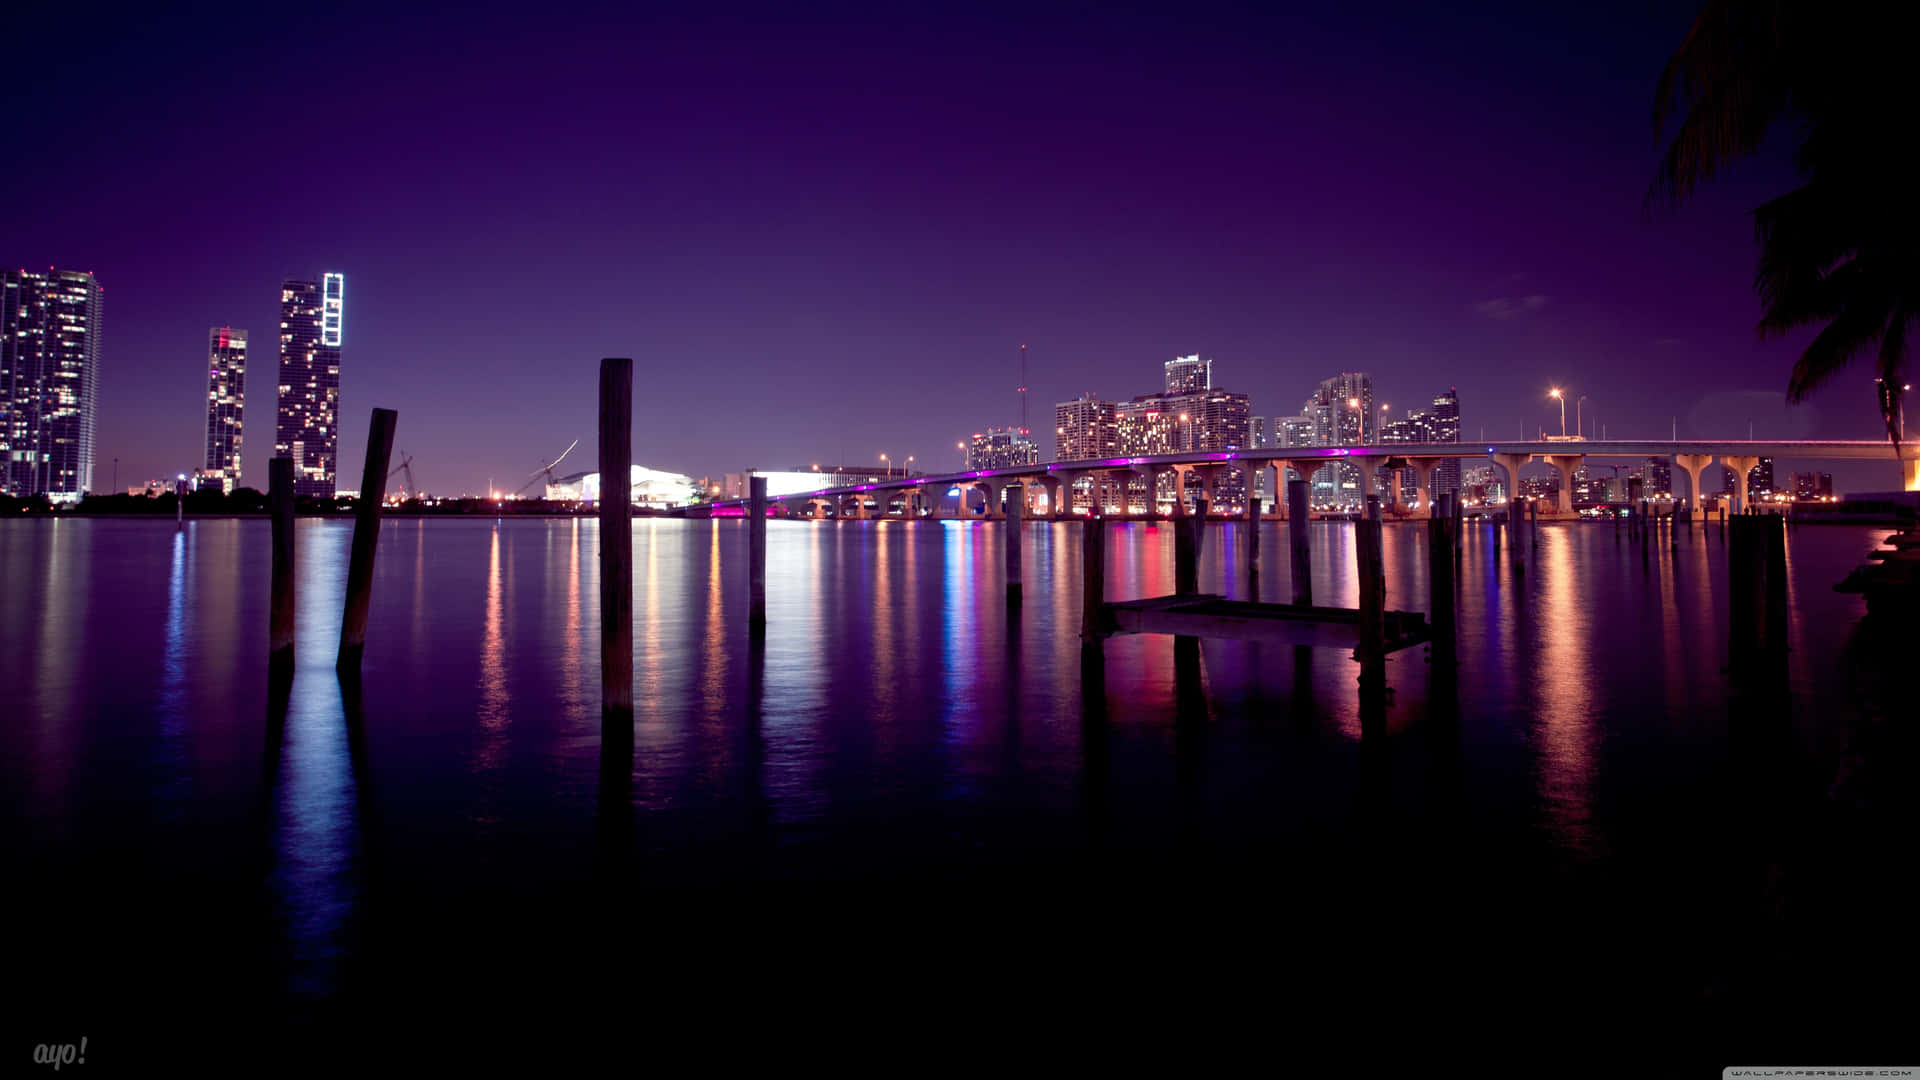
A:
x: 481, y: 315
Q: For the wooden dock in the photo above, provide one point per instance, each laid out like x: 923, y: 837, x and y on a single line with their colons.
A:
x: 1205, y: 615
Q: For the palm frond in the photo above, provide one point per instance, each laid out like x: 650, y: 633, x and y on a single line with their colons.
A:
x: 1728, y: 82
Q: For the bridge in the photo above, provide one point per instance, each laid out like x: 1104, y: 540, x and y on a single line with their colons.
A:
x: 1106, y: 478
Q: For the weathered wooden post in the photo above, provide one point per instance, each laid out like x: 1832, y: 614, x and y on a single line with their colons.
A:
x: 1253, y: 545
x: 756, y: 556
x: 1458, y: 505
x: 616, y: 538
x: 280, y: 604
x: 1093, y: 579
x: 1533, y: 523
x: 1371, y: 647
x: 1297, y: 522
x: 1774, y: 532
x: 1746, y: 595
x: 180, y: 505
x: 1440, y: 586
x: 366, y: 539
x: 1016, y: 526
x: 1186, y: 560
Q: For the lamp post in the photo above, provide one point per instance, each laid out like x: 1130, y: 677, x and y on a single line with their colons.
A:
x: 886, y: 465
x: 1556, y: 395
x: 1579, y: 424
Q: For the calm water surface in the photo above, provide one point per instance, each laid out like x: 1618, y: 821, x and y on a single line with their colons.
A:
x: 898, y: 726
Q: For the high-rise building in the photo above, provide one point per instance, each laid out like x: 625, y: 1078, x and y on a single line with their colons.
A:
x: 1257, y: 432
x: 1812, y: 485
x: 1760, y: 479
x: 1002, y: 448
x: 226, y: 402
x: 49, y: 382
x: 1085, y: 428
x: 1292, y: 431
x: 1151, y: 424
x: 308, y: 428
x: 1444, y: 427
x: 1189, y: 375
x: 1656, y: 478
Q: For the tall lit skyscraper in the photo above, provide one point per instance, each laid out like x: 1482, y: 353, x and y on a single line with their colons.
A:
x: 1001, y: 448
x: 1189, y: 375
x: 49, y: 378
x: 308, y: 428
x: 1084, y: 428
x: 1445, y: 428
x: 226, y: 402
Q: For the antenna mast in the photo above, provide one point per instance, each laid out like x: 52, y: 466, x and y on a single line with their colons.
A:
x: 1023, y: 389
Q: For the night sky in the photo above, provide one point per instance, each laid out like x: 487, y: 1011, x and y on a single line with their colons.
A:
x: 823, y: 232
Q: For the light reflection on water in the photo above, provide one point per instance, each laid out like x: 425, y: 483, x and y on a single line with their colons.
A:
x: 896, y: 714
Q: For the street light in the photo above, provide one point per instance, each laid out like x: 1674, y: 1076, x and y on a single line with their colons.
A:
x: 1556, y: 395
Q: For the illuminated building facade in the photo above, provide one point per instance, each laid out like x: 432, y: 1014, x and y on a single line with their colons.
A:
x: 1812, y: 485
x: 311, y: 317
x: 226, y: 403
x: 1189, y: 375
x: 49, y: 381
x: 1085, y: 428
x: 1001, y: 448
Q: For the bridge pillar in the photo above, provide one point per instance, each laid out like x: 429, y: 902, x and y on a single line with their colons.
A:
x: 1565, y: 463
x: 1423, y: 482
x: 930, y: 494
x: 1369, y: 466
x: 1694, y: 464
x: 1511, y: 463
x: 1910, y: 469
x: 1063, y: 505
x: 1741, y: 467
x: 1210, y: 476
x: 996, y: 490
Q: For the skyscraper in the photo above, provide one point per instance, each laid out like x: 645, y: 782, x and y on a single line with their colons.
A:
x: 308, y: 431
x: 1189, y: 375
x: 1445, y: 428
x: 1349, y: 398
x: 1084, y: 428
x: 49, y: 378
x: 1000, y: 448
x: 1258, y: 432
x: 226, y: 401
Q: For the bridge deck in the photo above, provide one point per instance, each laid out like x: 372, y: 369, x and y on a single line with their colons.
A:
x: 1214, y: 616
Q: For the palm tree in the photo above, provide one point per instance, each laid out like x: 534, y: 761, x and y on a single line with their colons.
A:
x: 1843, y: 249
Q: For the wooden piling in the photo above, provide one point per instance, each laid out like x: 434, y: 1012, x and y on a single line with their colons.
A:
x: 1775, y: 563
x: 616, y: 537
x: 1186, y: 560
x: 1253, y: 543
x: 1093, y: 579
x: 366, y: 539
x: 1533, y: 523
x: 1456, y: 512
x: 1371, y: 647
x: 180, y: 506
x: 280, y: 615
x: 1440, y: 541
x: 1746, y: 595
x: 1016, y: 527
x: 1297, y: 522
x: 757, y: 556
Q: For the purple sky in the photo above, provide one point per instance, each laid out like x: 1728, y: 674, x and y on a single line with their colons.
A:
x: 826, y: 232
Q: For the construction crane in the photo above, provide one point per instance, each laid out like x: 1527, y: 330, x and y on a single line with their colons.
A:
x: 406, y: 466
x: 547, y: 469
